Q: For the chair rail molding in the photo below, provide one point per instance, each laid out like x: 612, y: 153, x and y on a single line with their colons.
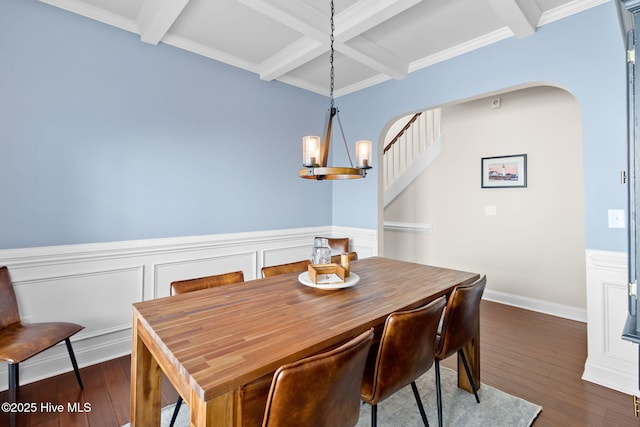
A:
x: 407, y: 227
x: 96, y: 284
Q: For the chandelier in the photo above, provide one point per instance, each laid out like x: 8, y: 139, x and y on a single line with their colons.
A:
x: 315, y: 151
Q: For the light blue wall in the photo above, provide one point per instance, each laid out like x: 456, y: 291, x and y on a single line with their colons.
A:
x: 583, y: 54
x: 106, y: 138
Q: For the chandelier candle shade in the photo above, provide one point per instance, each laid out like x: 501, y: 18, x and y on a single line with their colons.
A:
x: 315, y: 151
x: 363, y: 153
x: 310, y: 150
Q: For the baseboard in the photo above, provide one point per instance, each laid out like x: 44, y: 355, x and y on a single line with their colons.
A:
x: 615, y: 377
x: 553, y: 309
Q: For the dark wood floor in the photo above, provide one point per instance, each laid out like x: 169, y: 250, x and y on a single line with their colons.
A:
x: 537, y: 357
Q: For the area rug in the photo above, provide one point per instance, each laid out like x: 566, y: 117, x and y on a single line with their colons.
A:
x: 496, y: 408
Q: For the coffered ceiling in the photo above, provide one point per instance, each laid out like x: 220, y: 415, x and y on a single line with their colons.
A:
x: 288, y: 40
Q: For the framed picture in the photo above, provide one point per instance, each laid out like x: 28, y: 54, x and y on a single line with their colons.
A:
x: 504, y: 171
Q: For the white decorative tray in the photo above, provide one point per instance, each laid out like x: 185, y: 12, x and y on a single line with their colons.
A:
x: 352, y: 280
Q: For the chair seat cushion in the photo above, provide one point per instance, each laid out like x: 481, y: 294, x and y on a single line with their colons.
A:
x: 21, y: 341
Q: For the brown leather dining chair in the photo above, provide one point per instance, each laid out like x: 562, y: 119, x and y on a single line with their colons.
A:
x: 291, y: 267
x: 459, y: 323
x: 338, y: 245
x: 299, y: 266
x: 406, y: 351
x: 321, y: 390
x: 20, y: 341
x: 190, y: 285
x: 353, y: 256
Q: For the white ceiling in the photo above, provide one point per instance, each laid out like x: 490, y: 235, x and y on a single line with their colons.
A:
x: 288, y: 40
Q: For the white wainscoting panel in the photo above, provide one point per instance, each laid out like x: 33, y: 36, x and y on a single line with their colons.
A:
x: 95, y: 285
x: 611, y: 362
x: 192, y: 267
x: 283, y: 255
x: 99, y: 300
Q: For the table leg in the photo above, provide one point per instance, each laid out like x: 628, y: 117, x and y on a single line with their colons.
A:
x: 145, y: 384
x: 221, y: 411
x: 472, y: 353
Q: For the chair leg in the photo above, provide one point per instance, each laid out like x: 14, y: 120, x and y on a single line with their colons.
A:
x: 175, y: 411
x: 374, y: 415
x: 466, y: 368
x: 14, y: 381
x: 419, y: 402
x: 438, y: 392
x: 72, y: 356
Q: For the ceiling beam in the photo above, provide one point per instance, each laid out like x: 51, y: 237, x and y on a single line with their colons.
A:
x: 521, y: 16
x: 350, y: 24
x: 156, y: 18
x: 296, y: 15
x: 373, y: 56
x: 296, y: 54
x: 366, y: 14
x: 301, y: 18
x: 361, y: 17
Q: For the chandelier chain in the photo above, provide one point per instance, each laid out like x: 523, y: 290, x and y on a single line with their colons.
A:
x: 316, y: 151
x: 334, y: 110
x: 331, y: 56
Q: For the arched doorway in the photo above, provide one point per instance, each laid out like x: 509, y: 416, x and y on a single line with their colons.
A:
x: 529, y: 241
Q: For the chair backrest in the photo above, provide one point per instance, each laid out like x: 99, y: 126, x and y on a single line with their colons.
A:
x: 460, y: 319
x: 338, y: 245
x: 337, y: 258
x: 406, y: 351
x: 9, y: 313
x: 321, y: 390
x: 184, y: 286
x: 274, y: 270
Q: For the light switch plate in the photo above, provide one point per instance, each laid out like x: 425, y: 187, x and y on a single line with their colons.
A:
x: 490, y: 210
x: 616, y: 218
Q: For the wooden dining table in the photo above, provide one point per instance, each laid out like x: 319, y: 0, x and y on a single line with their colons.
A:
x: 219, y: 347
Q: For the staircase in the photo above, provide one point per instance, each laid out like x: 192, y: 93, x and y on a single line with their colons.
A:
x: 410, y: 152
